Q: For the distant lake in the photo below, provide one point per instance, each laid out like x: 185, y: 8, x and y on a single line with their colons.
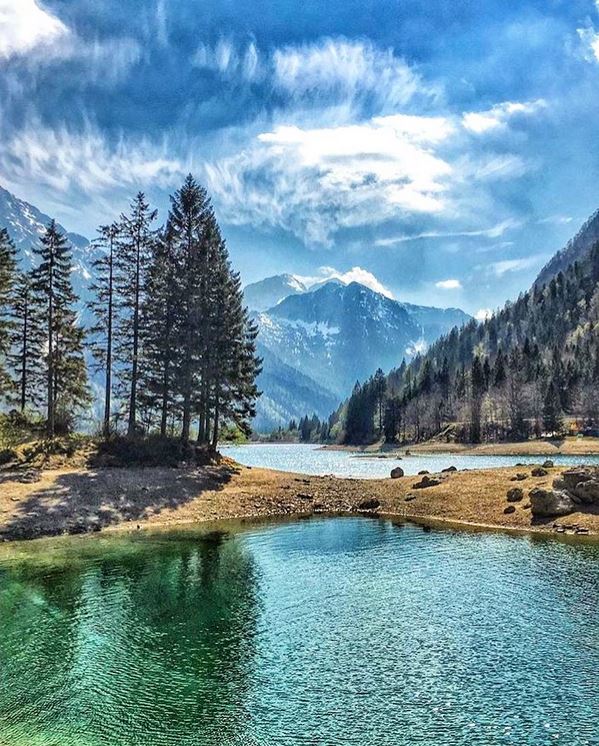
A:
x: 345, y: 631
x: 313, y: 459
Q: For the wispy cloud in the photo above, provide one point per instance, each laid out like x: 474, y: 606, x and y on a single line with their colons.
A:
x: 68, y: 163
x: 450, y: 284
x: 494, y: 231
x: 516, y: 265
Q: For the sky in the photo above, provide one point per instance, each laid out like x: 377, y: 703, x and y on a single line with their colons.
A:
x: 438, y: 151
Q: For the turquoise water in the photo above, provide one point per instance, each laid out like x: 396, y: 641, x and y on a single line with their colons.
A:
x: 312, y: 459
x: 323, y: 632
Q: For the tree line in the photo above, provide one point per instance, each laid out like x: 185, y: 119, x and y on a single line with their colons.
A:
x: 170, y: 340
x: 519, y: 373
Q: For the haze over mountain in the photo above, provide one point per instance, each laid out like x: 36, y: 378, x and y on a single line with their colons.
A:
x: 333, y: 335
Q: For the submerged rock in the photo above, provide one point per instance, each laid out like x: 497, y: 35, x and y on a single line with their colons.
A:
x: 548, y: 464
x: 448, y: 469
x: 550, y: 502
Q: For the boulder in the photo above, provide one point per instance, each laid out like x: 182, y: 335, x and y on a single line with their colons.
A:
x: 582, y: 483
x: 426, y: 481
x: 587, y: 492
x: 449, y: 468
x: 397, y: 472
x: 548, y: 464
x: 509, y: 509
x: 550, y: 502
x: 573, y: 477
x: 371, y: 504
x: 424, y: 471
x: 539, y: 471
x: 520, y: 476
x: 515, y: 494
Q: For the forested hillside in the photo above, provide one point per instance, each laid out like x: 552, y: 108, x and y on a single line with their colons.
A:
x: 516, y: 374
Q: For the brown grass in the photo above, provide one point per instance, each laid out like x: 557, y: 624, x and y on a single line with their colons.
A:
x: 70, y: 500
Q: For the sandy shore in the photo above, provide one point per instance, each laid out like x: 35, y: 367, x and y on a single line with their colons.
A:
x: 56, y: 501
x: 546, y: 448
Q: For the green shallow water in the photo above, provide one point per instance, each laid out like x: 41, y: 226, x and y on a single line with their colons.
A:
x: 320, y: 632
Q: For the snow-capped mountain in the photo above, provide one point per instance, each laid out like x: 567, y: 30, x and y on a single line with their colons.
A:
x: 272, y: 290
x: 337, y: 334
x: 25, y: 224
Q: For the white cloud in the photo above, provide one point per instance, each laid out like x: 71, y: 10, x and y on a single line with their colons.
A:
x: 355, y: 274
x: 62, y: 160
x: 315, y: 181
x: 25, y: 25
x: 515, y: 265
x: 498, y: 116
x: 349, y: 68
x: 494, y: 231
x: 448, y: 284
x: 590, y: 43
x: 483, y: 314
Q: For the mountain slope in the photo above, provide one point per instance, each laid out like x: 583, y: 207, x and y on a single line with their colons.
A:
x: 576, y: 249
x: 516, y: 374
x: 272, y: 290
x: 25, y: 224
x: 287, y: 392
x: 338, y: 333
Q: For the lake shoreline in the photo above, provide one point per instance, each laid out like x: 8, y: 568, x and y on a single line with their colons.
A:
x: 53, y: 502
x: 569, y: 446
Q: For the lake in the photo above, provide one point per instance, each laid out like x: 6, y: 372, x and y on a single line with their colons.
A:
x: 320, y: 632
x: 313, y: 459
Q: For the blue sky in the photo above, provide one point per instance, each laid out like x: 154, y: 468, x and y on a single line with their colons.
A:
x: 441, y: 151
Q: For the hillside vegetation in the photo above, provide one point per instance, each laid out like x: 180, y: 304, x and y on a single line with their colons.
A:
x: 519, y: 373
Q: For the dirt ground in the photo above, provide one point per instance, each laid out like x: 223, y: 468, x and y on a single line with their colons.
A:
x: 36, y: 503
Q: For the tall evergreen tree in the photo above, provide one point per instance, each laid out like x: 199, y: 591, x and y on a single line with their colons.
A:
x: 160, y: 322
x: 26, y: 342
x: 103, y: 306
x: 7, y: 280
x: 65, y: 372
x: 132, y: 257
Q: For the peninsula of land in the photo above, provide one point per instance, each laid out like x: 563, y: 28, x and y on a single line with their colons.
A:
x: 76, y: 499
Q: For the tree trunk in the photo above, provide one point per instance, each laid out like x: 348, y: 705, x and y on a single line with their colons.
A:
x: 24, y: 358
x: 131, y: 426
x: 108, y: 381
x: 215, y: 428
x: 50, y: 392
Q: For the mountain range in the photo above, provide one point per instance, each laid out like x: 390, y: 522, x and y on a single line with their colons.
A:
x: 332, y: 335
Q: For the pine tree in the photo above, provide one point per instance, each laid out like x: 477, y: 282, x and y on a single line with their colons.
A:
x: 27, y: 339
x: 552, y: 409
x: 188, y: 222
x: 160, y: 324
x: 133, y: 255
x: 103, y: 307
x: 65, y: 372
x: 7, y: 280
